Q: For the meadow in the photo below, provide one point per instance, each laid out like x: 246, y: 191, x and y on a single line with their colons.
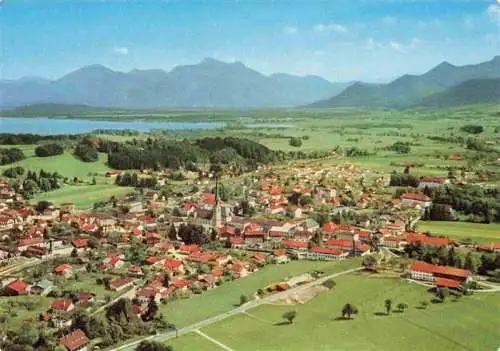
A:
x: 184, y: 312
x: 84, y: 194
x: 477, y: 232
x: 468, y: 324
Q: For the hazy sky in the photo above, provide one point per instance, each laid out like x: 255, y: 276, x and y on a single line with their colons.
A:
x: 343, y: 40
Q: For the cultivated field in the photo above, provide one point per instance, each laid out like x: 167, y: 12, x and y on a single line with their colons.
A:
x: 469, y: 324
x: 480, y: 233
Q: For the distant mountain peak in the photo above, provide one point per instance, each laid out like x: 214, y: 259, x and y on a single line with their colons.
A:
x: 445, y: 64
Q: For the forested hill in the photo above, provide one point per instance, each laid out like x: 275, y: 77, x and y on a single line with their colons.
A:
x: 234, y: 154
x: 409, y: 90
x: 476, y: 91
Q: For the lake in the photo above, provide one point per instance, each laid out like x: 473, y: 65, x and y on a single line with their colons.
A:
x: 50, y: 126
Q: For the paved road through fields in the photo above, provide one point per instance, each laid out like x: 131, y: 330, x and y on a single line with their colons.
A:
x: 204, y: 323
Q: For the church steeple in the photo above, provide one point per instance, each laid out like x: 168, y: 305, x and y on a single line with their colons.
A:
x: 217, y: 211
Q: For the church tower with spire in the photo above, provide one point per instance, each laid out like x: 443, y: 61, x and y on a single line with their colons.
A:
x: 217, y: 211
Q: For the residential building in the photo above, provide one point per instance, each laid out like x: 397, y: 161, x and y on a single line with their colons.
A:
x: 76, y: 341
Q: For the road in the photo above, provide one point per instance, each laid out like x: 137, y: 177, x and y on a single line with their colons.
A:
x: 129, y: 294
x: 252, y: 304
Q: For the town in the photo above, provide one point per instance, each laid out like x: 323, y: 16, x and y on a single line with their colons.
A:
x: 150, y: 247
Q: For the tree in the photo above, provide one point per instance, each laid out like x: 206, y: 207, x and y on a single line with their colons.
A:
x: 296, y: 142
x: 290, y: 316
x: 172, y: 233
x: 402, y: 306
x: 452, y: 257
x: 370, y: 262
x: 152, y: 310
x: 349, y: 310
x: 469, y: 263
x: 243, y: 299
x: 26, y: 335
x: 423, y: 304
x: 152, y: 346
x: 442, y: 293
x: 388, y: 306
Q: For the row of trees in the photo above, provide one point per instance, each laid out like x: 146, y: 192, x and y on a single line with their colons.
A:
x: 49, y: 150
x: 14, y: 172
x: 29, y: 139
x: 469, y: 199
x: 36, y: 182
x: 132, y: 179
x: 10, y: 155
x: 449, y: 257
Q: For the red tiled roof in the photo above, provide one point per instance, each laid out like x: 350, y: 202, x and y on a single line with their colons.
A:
x: 209, y: 199
x: 415, y: 197
x: 276, y: 234
x: 435, y: 269
x: 433, y: 180
x: 172, y: 264
x: 449, y: 283
x: 61, y: 304
x: 329, y: 227
x: 275, y: 191
x: 181, y: 283
x: 295, y: 244
x: 189, y: 248
x: 237, y: 240
x: 152, y: 260
x: 200, y: 256
x: 80, y: 243
x: 85, y: 296
x: 326, y: 250
x: 74, y: 341
x: 62, y: 268
x: 339, y: 242
x: 428, y: 240
x: 392, y: 238
x: 119, y: 282
x: 278, y: 253
x: 113, y: 260
x: 259, y: 256
x: 30, y: 241
x: 135, y: 269
x: 145, y: 218
x: 256, y: 233
x: 18, y: 286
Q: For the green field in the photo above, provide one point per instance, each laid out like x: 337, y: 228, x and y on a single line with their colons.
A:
x: 469, y: 324
x: 480, y: 233
x: 18, y: 311
x: 193, y: 341
x: 84, y: 195
x: 65, y: 164
x: 225, y: 297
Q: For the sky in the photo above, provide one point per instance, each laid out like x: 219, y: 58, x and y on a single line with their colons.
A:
x: 340, y: 40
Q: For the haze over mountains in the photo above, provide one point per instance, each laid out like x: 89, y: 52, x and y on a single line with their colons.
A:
x: 212, y: 83
x: 435, y: 87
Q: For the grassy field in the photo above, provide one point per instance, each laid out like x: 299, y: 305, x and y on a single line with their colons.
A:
x: 65, y: 164
x: 468, y: 324
x: 225, y: 297
x: 480, y: 233
x: 18, y: 312
x: 83, y: 196
x: 193, y: 341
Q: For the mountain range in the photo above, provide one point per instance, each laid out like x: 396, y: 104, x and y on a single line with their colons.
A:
x: 443, y: 85
x: 213, y: 83
x: 210, y: 83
